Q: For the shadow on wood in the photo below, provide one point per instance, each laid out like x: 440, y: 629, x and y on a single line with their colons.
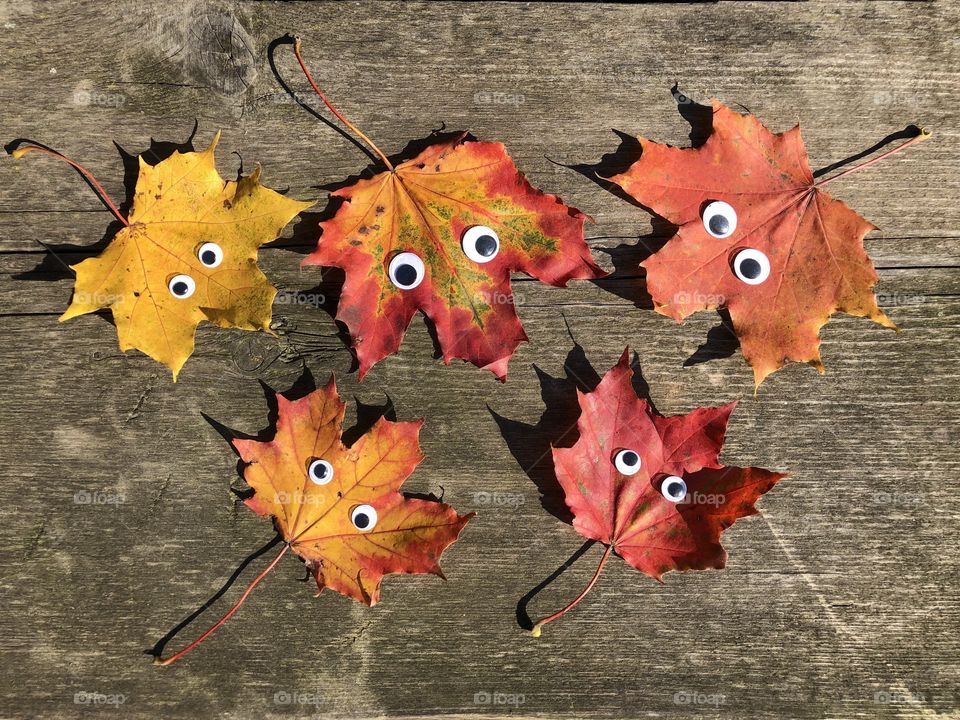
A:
x: 157, y: 650
x: 531, y: 445
x: 523, y: 617
x: 721, y: 342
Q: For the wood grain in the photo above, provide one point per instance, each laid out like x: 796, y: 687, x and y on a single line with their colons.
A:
x: 840, y: 600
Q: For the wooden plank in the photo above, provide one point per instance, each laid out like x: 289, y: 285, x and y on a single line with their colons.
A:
x: 839, y: 601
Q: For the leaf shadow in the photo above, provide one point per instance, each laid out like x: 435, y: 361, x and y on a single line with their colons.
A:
x: 628, y: 279
x: 302, y: 386
x: 531, y: 445
x: 271, y: 60
x: 157, y: 650
x: 721, y: 342
x: 908, y: 133
x: 523, y: 617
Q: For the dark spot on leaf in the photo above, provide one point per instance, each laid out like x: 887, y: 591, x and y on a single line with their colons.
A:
x: 227, y: 204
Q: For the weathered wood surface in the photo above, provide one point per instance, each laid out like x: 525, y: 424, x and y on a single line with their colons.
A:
x: 841, y: 600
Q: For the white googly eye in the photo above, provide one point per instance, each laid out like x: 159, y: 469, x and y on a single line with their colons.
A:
x: 363, y: 517
x: 627, y: 462
x: 210, y: 254
x: 480, y: 243
x: 182, y: 286
x: 751, y: 266
x: 320, y: 472
x: 719, y: 219
x: 673, y: 488
x: 406, y: 271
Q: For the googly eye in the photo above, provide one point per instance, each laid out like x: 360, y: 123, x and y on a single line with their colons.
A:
x: 627, y: 462
x: 751, y: 266
x: 719, y: 219
x: 210, y: 254
x: 182, y: 286
x: 320, y: 472
x: 363, y: 517
x: 673, y: 488
x: 406, y: 271
x: 480, y: 243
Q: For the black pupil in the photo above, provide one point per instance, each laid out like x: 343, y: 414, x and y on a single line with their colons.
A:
x: 674, y: 489
x: 630, y: 458
x: 361, y: 520
x: 750, y: 268
x: 719, y: 224
x: 209, y: 257
x: 406, y: 275
x: 320, y: 471
x: 486, y: 245
x: 179, y: 288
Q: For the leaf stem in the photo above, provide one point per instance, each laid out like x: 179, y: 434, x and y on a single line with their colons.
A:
x: 98, y: 188
x: 540, y: 623
x: 368, y: 141
x: 221, y: 621
x: 924, y: 134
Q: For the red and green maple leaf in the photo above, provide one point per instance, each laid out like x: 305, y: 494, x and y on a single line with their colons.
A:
x: 758, y: 236
x: 652, y: 488
x: 441, y: 234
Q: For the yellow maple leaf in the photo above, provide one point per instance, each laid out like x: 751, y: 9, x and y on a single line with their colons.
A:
x: 188, y: 253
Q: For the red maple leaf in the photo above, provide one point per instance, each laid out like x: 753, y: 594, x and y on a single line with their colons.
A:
x: 441, y: 234
x: 652, y: 488
x: 758, y: 236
